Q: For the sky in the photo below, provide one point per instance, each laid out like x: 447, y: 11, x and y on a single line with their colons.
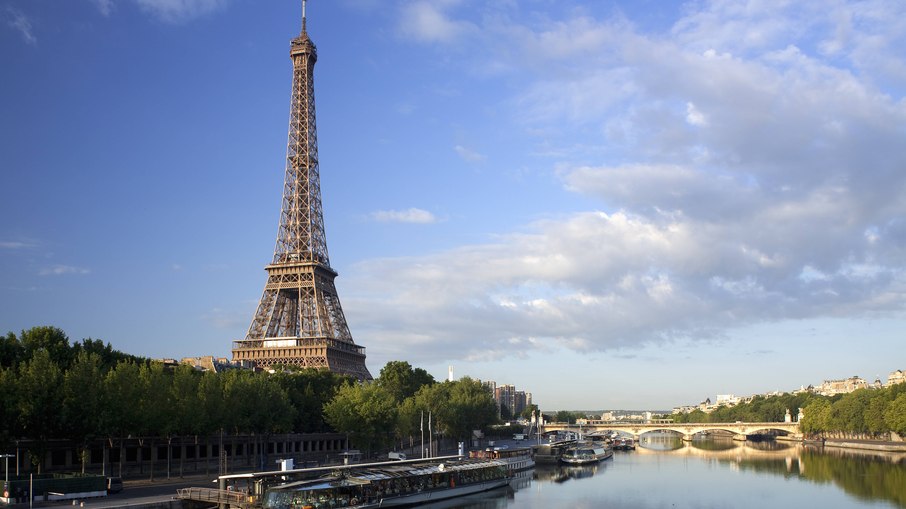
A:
x: 608, y: 204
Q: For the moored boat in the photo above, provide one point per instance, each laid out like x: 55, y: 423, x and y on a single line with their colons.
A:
x: 391, y: 485
x: 585, y: 454
x: 516, y: 459
x: 624, y: 444
x: 550, y: 453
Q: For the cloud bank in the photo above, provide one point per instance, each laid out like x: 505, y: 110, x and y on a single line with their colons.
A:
x: 754, y: 172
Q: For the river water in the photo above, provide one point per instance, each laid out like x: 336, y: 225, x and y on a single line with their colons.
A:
x: 665, y: 472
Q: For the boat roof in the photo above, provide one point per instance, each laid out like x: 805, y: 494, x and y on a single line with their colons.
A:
x: 371, y: 474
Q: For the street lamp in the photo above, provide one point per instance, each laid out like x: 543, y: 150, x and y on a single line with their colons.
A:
x: 6, y: 458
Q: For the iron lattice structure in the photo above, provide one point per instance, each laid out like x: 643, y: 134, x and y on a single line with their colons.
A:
x: 299, y: 321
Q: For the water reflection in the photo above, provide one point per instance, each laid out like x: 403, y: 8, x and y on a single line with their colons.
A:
x: 561, y: 473
x: 707, y: 473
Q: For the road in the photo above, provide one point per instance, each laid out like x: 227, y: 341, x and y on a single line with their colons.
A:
x: 135, y: 492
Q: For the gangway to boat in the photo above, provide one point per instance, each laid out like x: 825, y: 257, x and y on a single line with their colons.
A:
x: 224, y: 498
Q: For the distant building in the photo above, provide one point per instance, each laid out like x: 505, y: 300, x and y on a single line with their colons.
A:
x: 507, y: 395
x: 844, y: 386
x: 727, y: 400
x: 896, y: 377
x: 212, y: 364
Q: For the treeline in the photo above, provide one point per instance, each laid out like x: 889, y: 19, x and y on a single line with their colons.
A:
x: 870, y: 412
x: 52, y: 389
x: 760, y: 409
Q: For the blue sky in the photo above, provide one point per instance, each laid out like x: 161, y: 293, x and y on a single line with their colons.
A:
x: 607, y: 204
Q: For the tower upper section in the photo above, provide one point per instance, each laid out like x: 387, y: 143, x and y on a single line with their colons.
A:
x: 300, y: 236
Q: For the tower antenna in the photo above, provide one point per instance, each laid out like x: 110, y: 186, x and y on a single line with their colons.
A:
x: 303, y: 16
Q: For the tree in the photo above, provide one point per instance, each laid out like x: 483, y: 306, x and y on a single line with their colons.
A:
x: 156, y: 405
x: 402, y: 381
x: 529, y: 411
x: 308, y: 391
x: 120, y: 414
x: 186, y: 403
x: 875, y: 421
x: 367, y: 412
x: 83, y: 388
x: 895, y: 415
x: 39, y: 400
x: 817, y: 415
x: 469, y: 407
x: 52, y: 339
x: 212, y: 414
x: 12, y: 352
x: 10, y: 426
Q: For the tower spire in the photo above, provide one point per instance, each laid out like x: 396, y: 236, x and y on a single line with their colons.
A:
x: 299, y: 320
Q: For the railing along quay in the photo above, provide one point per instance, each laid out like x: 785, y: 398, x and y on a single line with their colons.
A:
x: 226, y: 497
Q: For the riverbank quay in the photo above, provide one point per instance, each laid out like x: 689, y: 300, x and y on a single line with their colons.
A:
x: 867, y: 445
x: 851, y: 443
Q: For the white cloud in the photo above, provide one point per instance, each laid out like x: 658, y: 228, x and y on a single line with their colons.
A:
x: 427, y: 21
x: 751, y: 175
x: 469, y: 155
x: 105, y: 6
x: 60, y: 270
x: 412, y: 215
x: 15, y: 244
x: 18, y: 21
x: 694, y: 116
x: 169, y: 11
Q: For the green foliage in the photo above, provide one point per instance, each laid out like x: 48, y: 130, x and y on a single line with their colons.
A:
x: 40, y: 396
x: 402, y: 381
x: 51, y: 339
x: 567, y: 416
x: 12, y: 351
x: 529, y: 410
x: 456, y: 409
x: 895, y: 414
x: 309, y: 390
x: 871, y: 411
x: 82, y: 390
x: 817, y: 416
x: 367, y: 412
x: 469, y: 407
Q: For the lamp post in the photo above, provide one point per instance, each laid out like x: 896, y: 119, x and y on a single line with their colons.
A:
x: 6, y: 458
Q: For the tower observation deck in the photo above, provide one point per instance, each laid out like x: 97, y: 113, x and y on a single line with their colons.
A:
x: 299, y: 321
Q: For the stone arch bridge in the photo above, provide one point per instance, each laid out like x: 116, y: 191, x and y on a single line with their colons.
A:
x: 739, y: 430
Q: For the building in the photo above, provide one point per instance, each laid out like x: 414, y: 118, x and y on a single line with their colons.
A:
x: 507, y: 396
x: 896, y: 377
x: 844, y: 386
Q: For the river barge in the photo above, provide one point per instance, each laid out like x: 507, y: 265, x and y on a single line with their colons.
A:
x: 516, y: 459
x: 390, y: 485
x: 624, y: 444
x: 549, y: 454
x: 586, y: 454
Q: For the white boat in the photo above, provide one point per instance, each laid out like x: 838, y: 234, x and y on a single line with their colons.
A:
x: 391, y: 485
x: 586, y: 453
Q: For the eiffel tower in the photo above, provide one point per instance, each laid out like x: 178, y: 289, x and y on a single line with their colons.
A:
x: 299, y: 321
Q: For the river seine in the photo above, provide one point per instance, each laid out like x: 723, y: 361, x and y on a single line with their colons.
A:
x: 664, y: 472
